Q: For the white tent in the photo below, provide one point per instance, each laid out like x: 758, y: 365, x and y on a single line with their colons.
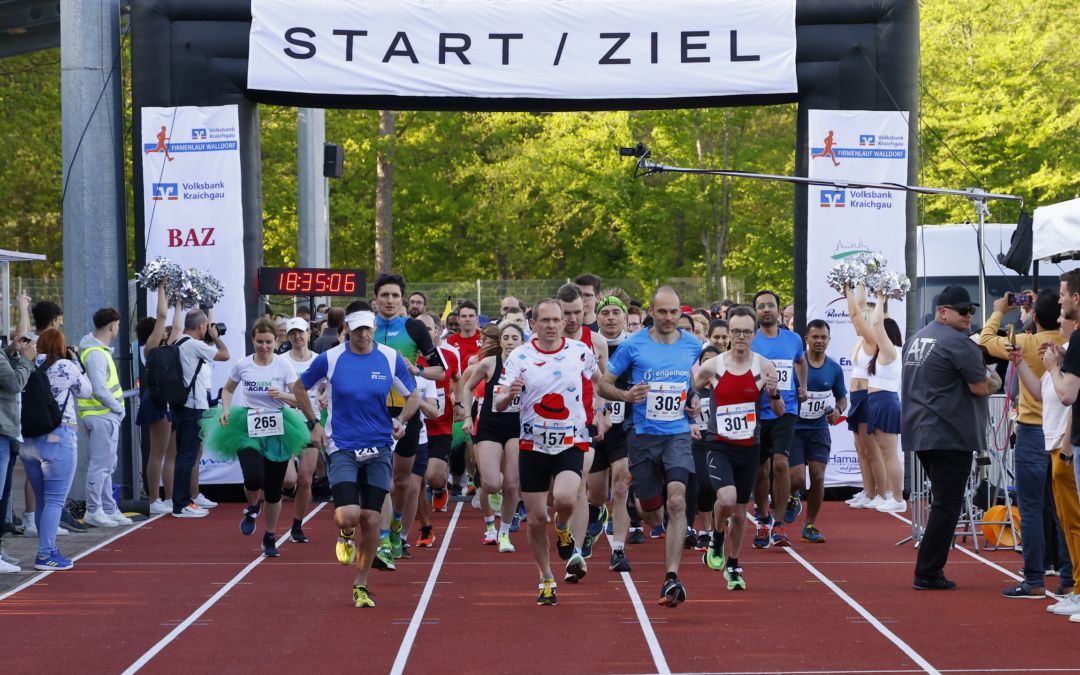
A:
x: 6, y: 258
x: 1056, y: 231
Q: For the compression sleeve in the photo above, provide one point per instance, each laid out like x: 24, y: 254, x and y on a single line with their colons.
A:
x: 418, y: 332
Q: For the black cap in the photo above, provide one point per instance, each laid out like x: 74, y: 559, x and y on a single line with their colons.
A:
x: 955, y: 296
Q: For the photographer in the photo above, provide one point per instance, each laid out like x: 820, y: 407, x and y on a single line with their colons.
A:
x: 1032, y: 460
x: 15, y: 368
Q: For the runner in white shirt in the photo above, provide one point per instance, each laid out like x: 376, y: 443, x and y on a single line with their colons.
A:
x: 546, y: 373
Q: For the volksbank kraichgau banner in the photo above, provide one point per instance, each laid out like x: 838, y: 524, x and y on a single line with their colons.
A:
x: 191, y: 197
x: 862, y: 146
x: 594, y: 49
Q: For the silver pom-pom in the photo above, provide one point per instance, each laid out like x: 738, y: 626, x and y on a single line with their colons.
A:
x: 207, y: 288
x: 848, y: 272
x: 157, y: 269
x: 182, y: 289
x: 893, y: 285
x: 875, y: 262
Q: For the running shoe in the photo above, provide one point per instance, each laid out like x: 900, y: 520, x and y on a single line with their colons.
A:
x: 873, y: 503
x: 491, y: 535
x: 395, y: 540
x: 586, y: 548
x: 98, y: 519
x: 658, y: 532
x: 673, y: 593
x: 1067, y: 606
x: 610, y: 529
x: 794, y: 508
x: 439, y: 499
x: 8, y: 568
x: 405, y: 555
x: 515, y: 523
x: 714, y: 554
x: 247, y: 523
x: 119, y: 518
x: 54, y: 562
x: 160, y: 506
x: 933, y: 584
x: 296, y: 534
x: 762, y: 538
x: 703, y: 540
x: 576, y: 568
x: 362, y: 597
x: 8, y: 559
x: 427, y: 537
x: 455, y: 490
x: 269, y: 547
x: 857, y: 497
x: 345, y: 548
x: 811, y: 535
x: 619, y: 563
x: 779, y: 535
x: 471, y: 490
x: 564, y: 542
x: 637, y: 536
x: 192, y: 510
x: 1025, y: 592
x: 495, y: 502
x: 504, y: 544
x: 892, y: 506
x: 733, y: 576
x: 690, y: 540
x: 384, y: 559
x: 202, y: 501
x: 547, y: 593
x: 860, y: 502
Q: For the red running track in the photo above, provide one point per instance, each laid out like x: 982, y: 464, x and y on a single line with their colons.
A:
x: 155, y: 598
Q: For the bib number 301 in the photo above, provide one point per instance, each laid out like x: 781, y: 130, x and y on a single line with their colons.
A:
x: 262, y: 423
x: 665, y: 401
x: 736, y: 422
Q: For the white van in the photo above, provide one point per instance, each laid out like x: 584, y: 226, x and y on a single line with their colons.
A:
x: 948, y: 254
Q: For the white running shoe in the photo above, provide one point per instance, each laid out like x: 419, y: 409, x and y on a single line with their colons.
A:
x: 1069, y: 605
x: 204, y: 502
x: 7, y: 568
x: 192, y: 511
x: 99, y: 519
x: 857, y: 497
x: 61, y: 532
x: 160, y: 506
x: 892, y: 506
x: 476, y: 500
x: 863, y: 501
x: 874, y: 503
x: 119, y: 518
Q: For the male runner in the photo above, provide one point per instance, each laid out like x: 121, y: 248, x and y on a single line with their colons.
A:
x: 589, y: 285
x: 417, y: 304
x: 659, y: 361
x: 440, y: 429
x: 634, y: 319
x: 609, y: 461
x: 361, y: 374
x: 467, y: 340
x: 813, y: 440
x: 785, y: 349
x: 546, y: 373
x: 411, y: 339
x: 737, y: 378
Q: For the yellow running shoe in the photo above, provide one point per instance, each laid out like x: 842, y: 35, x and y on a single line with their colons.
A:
x: 346, y: 548
x: 547, y: 592
x: 565, y: 542
x: 504, y: 544
x: 362, y: 597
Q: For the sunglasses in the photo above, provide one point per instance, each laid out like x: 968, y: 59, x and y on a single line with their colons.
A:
x: 962, y: 311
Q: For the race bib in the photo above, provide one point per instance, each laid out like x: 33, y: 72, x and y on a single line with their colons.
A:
x: 515, y: 405
x: 440, y: 398
x: 618, y: 412
x: 736, y: 422
x: 815, y: 405
x: 553, y: 437
x: 665, y: 401
x: 703, y: 417
x: 365, y: 454
x: 785, y: 373
x: 263, y: 422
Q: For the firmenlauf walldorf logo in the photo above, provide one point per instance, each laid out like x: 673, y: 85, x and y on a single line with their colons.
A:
x: 203, y: 139
x: 871, y: 146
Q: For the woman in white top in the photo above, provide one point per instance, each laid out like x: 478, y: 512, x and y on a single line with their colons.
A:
x: 857, y: 394
x: 882, y: 425
x: 263, y: 433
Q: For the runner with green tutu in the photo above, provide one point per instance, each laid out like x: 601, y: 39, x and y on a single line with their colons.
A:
x: 264, y: 433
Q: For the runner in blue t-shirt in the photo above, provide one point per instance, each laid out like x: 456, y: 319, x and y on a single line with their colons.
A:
x: 659, y: 361
x: 813, y: 440
x: 361, y: 374
x: 785, y: 349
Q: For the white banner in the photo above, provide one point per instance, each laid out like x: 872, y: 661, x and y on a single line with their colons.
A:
x: 587, y: 49
x: 869, y: 147
x: 194, y: 217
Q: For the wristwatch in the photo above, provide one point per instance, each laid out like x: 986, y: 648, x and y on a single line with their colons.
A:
x: 776, y: 397
x: 311, y: 424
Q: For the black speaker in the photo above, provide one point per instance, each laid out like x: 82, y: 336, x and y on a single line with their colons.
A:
x: 1018, y: 259
x: 333, y: 160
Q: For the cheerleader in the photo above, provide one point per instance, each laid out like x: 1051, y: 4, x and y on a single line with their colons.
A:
x: 263, y: 434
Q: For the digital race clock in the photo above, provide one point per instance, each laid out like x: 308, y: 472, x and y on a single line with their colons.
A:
x: 312, y: 281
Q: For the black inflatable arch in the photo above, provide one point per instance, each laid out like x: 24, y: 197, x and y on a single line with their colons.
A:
x: 850, y: 55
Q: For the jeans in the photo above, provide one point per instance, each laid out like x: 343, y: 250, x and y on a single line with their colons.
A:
x: 1032, y: 488
x: 5, y: 483
x: 186, y: 424
x: 50, y: 465
x: 948, y: 471
x: 5, y: 459
x: 104, y: 432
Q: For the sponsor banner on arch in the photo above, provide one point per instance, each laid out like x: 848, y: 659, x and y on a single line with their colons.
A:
x: 862, y: 146
x: 601, y: 49
x: 194, y: 217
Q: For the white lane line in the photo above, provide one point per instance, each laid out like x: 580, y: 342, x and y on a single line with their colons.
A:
x: 643, y: 620
x: 870, y: 618
x: 425, y: 597
x: 38, y: 577
x: 978, y: 557
x: 175, y: 632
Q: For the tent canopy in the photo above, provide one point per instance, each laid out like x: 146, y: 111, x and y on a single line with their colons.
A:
x: 1057, y: 231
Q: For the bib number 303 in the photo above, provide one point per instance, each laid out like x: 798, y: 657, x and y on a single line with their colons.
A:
x: 665, y: 401
x: 262, y: 423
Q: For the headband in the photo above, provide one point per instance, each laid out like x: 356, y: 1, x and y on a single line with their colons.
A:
x: 612, y: 300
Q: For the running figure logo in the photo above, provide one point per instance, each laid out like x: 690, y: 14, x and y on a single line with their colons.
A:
x: 162, y: 147
x: 827, y: 152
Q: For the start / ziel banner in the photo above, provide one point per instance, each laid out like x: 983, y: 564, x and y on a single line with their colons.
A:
x: 546, y: 49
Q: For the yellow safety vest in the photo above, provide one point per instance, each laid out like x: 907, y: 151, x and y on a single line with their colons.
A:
x: 92, y: 406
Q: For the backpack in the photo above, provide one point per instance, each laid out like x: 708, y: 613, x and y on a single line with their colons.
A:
x: 165, y: 376
x: 40, y: 411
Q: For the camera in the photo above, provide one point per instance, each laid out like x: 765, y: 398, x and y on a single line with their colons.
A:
x: 220, y: 328
x: 638, y: 150
x: 1019, y: 299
